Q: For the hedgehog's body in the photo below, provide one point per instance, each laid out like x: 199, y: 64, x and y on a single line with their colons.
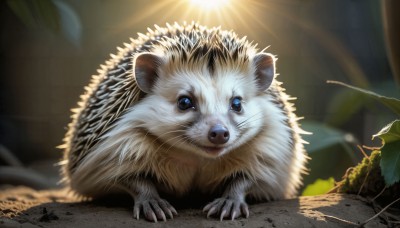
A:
x: 186, y: 108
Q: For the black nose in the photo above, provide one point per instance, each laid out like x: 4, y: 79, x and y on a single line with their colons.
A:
x: 218, y: 134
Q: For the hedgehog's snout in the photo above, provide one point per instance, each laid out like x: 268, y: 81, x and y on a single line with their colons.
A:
x: 218, y: 134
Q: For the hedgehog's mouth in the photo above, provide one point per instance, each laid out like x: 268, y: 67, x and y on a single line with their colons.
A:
x: 211, y: 150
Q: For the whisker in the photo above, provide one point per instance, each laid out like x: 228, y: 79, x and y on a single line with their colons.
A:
x: 182, y: 140
x: 254, y: 115
x: 165, y: 133
x: 166, y: 142
x: 250, y: 119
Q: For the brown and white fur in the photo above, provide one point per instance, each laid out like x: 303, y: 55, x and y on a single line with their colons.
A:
x: 207, y: 115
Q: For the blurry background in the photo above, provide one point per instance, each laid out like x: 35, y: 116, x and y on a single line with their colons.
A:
x: 49, y: 49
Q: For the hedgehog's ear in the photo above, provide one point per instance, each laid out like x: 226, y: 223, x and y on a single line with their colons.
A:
x: 264, y: 64
x: 146, y: 66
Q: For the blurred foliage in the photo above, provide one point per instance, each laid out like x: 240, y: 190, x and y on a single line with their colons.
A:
x: 55, y: 15
x: 319, y: 187
x: 348, y: 102
x: 331, y: 151
x: 390, y: 135
x: 389, y: 102
x: 36, y: 13
x: 378, y: 175
x: 325, y: 136
x: 344, y: 105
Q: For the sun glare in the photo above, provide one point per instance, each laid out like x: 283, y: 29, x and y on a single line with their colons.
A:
x: 209, y: 4
x: 240, y: 16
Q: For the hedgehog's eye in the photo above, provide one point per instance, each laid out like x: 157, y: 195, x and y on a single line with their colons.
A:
x: 236, y: 104
x: 185, y: 103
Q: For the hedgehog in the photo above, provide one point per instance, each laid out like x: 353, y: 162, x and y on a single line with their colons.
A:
x: 183, y: 109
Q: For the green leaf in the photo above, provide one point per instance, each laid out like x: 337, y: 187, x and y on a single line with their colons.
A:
x: 390, y: 162
x: 390, y: 133
x: 392, y: 103
x: 319, y: 187
x: 342, y: 107
x: 390, y: 152
x: 324, y: 136
x: 347, y: 102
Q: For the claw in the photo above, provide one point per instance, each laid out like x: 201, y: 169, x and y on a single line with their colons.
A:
x: 245, y: 210
x: 227, y: 207
x: 154, y: 217
x: 233, y: 215
x: 208, y: 206
x: 136, y: 212
x: 166, y: 210
x: 173, y: 210
x: 157, y: 209
x: 212, y: 211
x: 154, y: 209
x: 170, y: 207
x: 222, y: 215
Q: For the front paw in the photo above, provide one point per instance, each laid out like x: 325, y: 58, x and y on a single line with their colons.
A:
x: 154, y: 209
x: 227, y: 207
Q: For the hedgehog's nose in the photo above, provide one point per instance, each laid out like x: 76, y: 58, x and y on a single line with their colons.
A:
x: 218, y: 134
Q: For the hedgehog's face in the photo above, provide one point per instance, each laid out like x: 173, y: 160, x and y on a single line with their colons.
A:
x: 208, y: 113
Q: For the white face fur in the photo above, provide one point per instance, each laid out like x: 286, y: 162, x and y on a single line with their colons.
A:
x: 207, y: 113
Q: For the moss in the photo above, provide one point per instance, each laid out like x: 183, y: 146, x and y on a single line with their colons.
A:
x: 367, y: 177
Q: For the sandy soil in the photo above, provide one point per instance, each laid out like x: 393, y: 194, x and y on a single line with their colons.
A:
x: 24, y: 207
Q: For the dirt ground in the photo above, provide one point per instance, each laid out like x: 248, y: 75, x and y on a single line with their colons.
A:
x: 24, y: 207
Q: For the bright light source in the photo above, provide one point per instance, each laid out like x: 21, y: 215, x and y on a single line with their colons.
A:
x: 210, y: 4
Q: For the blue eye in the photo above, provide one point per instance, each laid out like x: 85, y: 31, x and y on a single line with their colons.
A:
x: 185, y: 103
x: 236, y: 104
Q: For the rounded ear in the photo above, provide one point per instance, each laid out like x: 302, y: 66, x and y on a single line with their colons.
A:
x: 146, y: 67
x: 264, y: 64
